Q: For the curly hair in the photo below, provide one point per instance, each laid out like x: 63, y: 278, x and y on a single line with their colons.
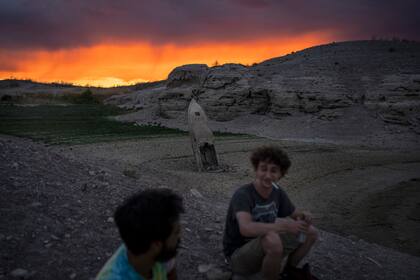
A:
x: 147, y: 216
x: 272, y: 154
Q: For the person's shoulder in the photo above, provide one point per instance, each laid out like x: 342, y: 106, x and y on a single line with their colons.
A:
x: 112, y: 268
x: 162, y: 269
x: 169, y: 265
x: 242, y: 193
x: 281, y: 194
x: 280, y: 191
x: 243, y: 190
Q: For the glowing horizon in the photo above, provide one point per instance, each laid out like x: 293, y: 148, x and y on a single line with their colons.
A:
x: 108, y: 65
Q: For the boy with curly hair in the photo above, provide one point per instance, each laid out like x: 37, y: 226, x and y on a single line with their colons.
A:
x: 262, y: 224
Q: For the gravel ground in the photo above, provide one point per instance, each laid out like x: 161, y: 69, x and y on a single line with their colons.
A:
x: 58, y: 201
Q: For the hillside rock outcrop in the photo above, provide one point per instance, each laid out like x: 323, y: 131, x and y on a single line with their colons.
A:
x: 322, y: 83
x: 228, y: 92
x: 397, y: 100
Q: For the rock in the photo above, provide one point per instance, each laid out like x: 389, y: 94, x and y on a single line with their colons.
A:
x: 218, y: 274
x: 214, y: 237
x: 54, y: 237
x: 73, y: 275
x: 196, y: 193
x: 203, y: 268
x: 110, y: 220
x: 187, y: 75
x: 36, y: 204
x: 84, y: 187
x: 20, y: 273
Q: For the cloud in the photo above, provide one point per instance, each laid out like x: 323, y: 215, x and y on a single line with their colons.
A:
x: 61, y: 24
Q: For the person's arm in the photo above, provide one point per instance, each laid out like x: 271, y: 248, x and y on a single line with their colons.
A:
x: 170, y: 267
x: 172, y: 274
x: 249, y: 228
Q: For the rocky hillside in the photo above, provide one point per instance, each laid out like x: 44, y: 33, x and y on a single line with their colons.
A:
x: 369, y: 84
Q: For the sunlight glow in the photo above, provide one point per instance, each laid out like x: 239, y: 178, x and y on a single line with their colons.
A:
x: 128, y: 63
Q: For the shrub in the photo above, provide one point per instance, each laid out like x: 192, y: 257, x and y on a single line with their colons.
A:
x: 6, y: 98
x: 86, y: 97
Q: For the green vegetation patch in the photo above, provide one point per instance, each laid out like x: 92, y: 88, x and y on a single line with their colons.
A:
x: 74, y: 124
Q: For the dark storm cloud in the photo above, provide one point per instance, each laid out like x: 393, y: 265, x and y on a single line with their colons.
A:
x: 54, y: 24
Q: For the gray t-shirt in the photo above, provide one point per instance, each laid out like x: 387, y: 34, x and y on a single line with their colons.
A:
x: 247, y: 199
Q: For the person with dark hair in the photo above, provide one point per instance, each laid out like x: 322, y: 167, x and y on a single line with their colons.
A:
x: 148, y: 223
x: 262, y: 224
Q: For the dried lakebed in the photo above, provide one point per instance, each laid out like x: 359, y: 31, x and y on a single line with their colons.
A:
x: 57, y: 203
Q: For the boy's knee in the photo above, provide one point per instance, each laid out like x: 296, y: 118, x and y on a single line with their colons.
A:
x: 312, y: 234
x: 272, y: 244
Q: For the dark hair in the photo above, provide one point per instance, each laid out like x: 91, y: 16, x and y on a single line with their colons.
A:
x: 272, y: 154
x: 147, y: 216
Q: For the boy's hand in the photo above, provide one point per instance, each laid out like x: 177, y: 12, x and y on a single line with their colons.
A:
x: 307, y: 217
x: 297, y: 226
x: 302, y: 215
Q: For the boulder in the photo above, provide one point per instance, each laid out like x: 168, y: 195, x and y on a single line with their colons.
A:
x: 187, y: 75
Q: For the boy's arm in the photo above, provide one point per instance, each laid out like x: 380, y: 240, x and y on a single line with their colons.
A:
x: 249, y: 228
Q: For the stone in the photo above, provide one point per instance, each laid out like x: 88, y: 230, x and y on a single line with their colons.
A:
x: 196, y: 193
x: 19, y: 273
x: 36, y: 204
x: 218, y: 274
x: 54, y: 237
x: 203, y: 268
x: 214, y: 237
x: 186, y: 75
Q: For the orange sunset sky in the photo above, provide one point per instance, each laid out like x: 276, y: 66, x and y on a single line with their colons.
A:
x: 118, y: 64
x: 104, y: 43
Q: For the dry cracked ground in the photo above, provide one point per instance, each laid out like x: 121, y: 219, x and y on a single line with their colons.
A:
x: 57, y: 204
